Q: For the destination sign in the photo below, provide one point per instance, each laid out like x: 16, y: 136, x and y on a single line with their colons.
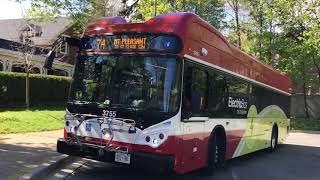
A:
x: 129, y: 43
x: 132, y: 42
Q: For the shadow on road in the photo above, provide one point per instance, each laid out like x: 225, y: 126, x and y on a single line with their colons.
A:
x: 19, y: 159
x: 292, y: 162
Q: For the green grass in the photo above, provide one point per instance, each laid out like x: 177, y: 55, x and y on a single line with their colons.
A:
x: 15, y: 121
x: 305, y: 124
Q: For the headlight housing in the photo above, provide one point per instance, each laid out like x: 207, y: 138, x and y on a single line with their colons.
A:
x: 154, y: 139
x: 70, y: 122
x: 154, y: 136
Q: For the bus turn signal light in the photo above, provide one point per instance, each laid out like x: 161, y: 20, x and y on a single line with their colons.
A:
x: 148, y: 138
x: 161, y: 136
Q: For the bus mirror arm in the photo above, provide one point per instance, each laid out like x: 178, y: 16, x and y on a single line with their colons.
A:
x: 71, y: 41
x: 49, y: 59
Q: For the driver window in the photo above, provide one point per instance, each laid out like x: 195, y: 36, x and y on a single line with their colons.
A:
x: 195, y: 90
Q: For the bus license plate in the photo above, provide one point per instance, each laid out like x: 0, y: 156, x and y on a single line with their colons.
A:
x: 122, y: 158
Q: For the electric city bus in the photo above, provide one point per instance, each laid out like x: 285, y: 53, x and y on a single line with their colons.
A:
x: 170, y: 94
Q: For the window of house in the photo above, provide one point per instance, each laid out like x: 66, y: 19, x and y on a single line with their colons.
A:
x: 1, y: 66
x: 18, y: 68
x: 35, y: 70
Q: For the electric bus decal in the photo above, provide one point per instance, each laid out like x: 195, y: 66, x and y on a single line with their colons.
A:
x: 239, y: 104
x: 256, y: 124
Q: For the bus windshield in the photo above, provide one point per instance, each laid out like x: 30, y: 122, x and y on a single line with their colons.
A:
x: 141, y: 82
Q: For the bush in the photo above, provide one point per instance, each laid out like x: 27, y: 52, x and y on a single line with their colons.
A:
x: 44, y: 89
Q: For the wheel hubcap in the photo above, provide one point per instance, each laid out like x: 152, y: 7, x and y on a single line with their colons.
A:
x: 273, y: 142
x: 216, y: 155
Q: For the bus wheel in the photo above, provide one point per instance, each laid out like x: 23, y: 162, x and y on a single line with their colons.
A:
x: 216, y: 154
x: 274, y: 138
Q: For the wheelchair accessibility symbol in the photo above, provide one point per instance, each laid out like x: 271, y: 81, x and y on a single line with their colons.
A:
x: 88, y: 127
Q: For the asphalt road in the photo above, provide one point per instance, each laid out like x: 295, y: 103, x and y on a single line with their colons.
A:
x: 298, y: 159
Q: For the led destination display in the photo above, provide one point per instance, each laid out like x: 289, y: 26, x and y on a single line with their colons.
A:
x: 132, y: 42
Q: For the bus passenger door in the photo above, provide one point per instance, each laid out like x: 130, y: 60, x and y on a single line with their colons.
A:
x: 194, y: 115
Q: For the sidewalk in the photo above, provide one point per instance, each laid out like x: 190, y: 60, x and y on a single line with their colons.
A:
x: 304, y: 139
x: 22, y: 152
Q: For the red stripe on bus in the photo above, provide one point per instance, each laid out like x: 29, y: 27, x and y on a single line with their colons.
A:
x: 182, y: 147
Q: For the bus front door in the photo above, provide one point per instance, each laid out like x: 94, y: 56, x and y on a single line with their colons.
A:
x: 193, y: 144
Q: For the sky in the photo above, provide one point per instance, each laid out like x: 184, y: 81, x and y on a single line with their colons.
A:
x: 10, y: 9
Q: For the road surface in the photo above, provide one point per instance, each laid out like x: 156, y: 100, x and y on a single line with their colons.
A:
x: 298, y: 159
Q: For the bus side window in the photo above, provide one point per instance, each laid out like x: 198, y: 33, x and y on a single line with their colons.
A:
x: 265, y: 97
x: 194, y: 100
x: 218, y: 95
x: 199, y: 89
x: 223, y: 91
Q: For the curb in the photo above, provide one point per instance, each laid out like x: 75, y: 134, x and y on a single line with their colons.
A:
x: 304, y: 131
x: 69, y: 170
x: 46, y: 169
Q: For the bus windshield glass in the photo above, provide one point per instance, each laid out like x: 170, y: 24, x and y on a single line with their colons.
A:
x: 141, y: 82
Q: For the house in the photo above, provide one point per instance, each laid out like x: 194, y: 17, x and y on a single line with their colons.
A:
x: 18, y: 36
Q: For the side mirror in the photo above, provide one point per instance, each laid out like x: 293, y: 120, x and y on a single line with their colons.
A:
x: 49, y: 60
x: 73, y: 41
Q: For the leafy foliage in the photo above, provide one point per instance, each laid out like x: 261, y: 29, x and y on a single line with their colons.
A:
x: 44, y: 89
x: 81, y: 11
x: 283, y: 33
x: 211, y: 10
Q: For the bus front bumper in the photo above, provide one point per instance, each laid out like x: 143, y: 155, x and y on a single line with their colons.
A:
x: 162, y: 163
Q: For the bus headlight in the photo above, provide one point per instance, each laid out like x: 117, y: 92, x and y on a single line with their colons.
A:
x: 155, y: 142
x: 106, y: 133
x: 70, y: 122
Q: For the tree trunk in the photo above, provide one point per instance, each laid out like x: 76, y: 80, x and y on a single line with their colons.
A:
x: 27, y: 91
x: 236, y: 13
x: 306, y: 109
x: 318, y: 69
x: 155, y: 8
x: 184, y: 5
x: 261, y: 31
x: 106, y: 8
x: 271, y: 52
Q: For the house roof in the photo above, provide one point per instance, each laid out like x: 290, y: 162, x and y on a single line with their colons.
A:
x: 10, y: 29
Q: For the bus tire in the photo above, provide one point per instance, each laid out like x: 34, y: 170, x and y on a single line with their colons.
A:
x: 274, y: 138
x: 216, y: 152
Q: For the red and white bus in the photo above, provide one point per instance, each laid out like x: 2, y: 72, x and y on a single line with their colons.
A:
x: 172, y: 94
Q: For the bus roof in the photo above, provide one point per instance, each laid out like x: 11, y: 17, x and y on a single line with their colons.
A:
x: 202, y: 43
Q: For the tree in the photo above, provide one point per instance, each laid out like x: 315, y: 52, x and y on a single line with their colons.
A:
x: 211, y: 10
x: 81, y: 11
x: 282, y: 33
x: 27, y: 50
x: 146, y: 8
x: 298, y: 43
x: 235, y: 7
x: 263, y: 33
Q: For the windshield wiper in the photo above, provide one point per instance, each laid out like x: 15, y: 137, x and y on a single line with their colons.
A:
x: 151, y: 108
x: 87, y: 103
x: 79, y: 102
x: 124, y: 106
